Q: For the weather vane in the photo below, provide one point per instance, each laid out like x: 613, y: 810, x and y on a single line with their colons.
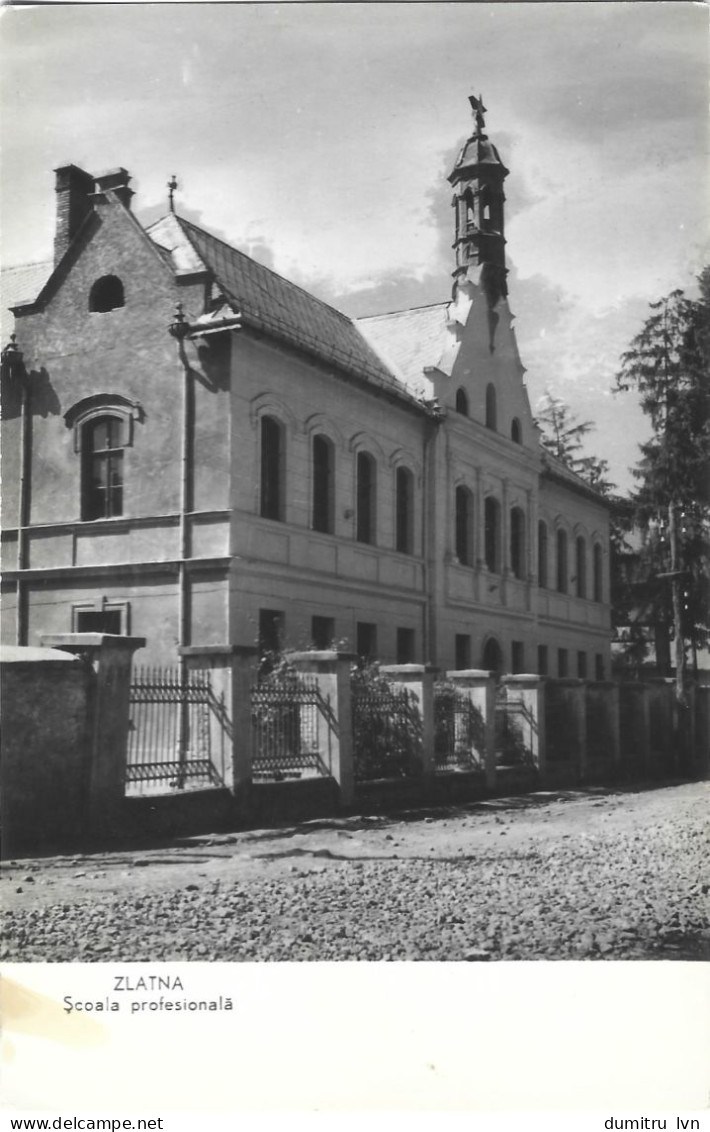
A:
x: 172, y: 185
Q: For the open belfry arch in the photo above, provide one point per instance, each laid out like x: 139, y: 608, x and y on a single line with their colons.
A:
x: 197, y: 451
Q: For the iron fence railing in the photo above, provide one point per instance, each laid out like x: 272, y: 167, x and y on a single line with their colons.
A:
x: 387, y: 733
x: 515, y: 728
x: 459, y: 731
x: 292, y: 725
x: 171, y: 744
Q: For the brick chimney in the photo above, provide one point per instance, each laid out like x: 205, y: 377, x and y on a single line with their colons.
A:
x: 115, y: 181
x: 73, y: 188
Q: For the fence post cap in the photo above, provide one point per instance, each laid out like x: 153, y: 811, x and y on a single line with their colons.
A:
x: 319, y: 655
x: 409, y: 669
x: 83, y: 641
x: 470, y: 674
x: 218, y: 650
x: 531, y: 678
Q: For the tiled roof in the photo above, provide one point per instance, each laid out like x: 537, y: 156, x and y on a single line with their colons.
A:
x: 273, y: 304
x: 410, y: 340
x: 20, y: 284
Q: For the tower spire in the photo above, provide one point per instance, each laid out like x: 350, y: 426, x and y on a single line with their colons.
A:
x: 477, y: 180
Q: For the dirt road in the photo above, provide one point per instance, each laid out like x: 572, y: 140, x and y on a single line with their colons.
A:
x: 580, y: 875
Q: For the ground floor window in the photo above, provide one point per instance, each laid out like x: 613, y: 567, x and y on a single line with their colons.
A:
x: 562, y: 663
x: 271, y: 631
x: 405, y: 646
x: 463, y: 651
x: 542, y: 661
x: 582, y: 665
x: 518, y: 656
x: 599, y: 667
x: 366, y: 643
x: 98, y: 621
x: 322, y: 632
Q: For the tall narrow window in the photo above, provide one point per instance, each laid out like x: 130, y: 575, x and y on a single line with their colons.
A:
x: 598, y: 576
x: 562, y: 566
x: 542, y: 554
x: 366, y: 646
x: 405, y: 646
x: 542, y: 661
x: 517, y: 542
x: 462, y: 651
x: 491, y: 408
x: 404, y: 511
x: 562, y: 663
x: 464, y: 526
x: 581, y: 564
x: 271, y: 637
x: 516, y: 431
x: 461, y: 402
x: 102, y: 468
x: 323, y: 485
x: 322, y: 632
x: 517, y: 656
x: 272, y: 471
x: 582, y: 665
x: 492, y: 533
x: 492, y: 656
x: 598, y: 667
x: 366, y: 487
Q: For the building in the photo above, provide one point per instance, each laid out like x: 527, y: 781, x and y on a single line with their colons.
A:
x: 200, y: 452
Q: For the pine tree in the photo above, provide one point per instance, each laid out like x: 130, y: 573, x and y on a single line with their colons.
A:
x: 668, y: 364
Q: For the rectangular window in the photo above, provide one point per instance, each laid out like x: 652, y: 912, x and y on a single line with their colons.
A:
x: 405, y: 646
x: 518, y: 656
x: 542, y: 661
x: 322, y: 632
x: 271, y: 630
x: 99, y: 621
x: 404, y: 507
x: 562, y: 663
x: 365, y: 491
x: 582, y: 665
x: 102, y: 469
x: 463, y: 651
x: 599, y: 667
x: 366, y: 640
x: 323, y: 494
x: 271, y: 468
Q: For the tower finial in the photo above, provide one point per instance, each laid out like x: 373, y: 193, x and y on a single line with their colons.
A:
x: 478, y: 111
x: 172, y: 185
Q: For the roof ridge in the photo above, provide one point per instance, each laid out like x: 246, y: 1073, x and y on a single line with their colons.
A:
x: 30, y: 263
x: 263, y: 267
x: 403, y: 310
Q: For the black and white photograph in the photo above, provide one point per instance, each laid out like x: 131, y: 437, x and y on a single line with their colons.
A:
x: 355, y: 495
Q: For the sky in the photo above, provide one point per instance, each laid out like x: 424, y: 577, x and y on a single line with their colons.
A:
x: 318, y: 137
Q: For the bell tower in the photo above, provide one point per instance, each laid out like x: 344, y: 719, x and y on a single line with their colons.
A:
x: 477, y: 180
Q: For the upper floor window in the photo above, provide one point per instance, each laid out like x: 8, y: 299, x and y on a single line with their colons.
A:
x: 491, y: 408
x: 366, y: 487
x: 404, y: 511
x: 106, y: 294
x: 323, y: 484
x: 461, y: 402
x: 464, y: 526
x: 581, y: 564
x: 562, y: 565
x: 516, y: 431
x: 597, y: 568
x: 542, y: 553
x: 102, y: 444
x: 492, y: 533
x: 517, y: 542
x: 272, y: 469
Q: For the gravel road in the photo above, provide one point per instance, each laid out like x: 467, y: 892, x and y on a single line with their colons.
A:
x: 579, y: 875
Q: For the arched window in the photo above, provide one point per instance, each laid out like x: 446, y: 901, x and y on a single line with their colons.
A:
x: 517, y: 542
x: 491, y: 408
x: 461, y: 402
x: 516, y: 431
x: 323, y: 484
x: 106, y: 294
x: 542, y: 553
x: 581, y: 564
x: 366, y: 495
x: 102, y: 444
x: 491, y: 517
x: 492, y: 656
x: 404, y: 508
x: 272, y: 468
x: 598, y: 574
x: 464, y: 526
x: 562, y: 564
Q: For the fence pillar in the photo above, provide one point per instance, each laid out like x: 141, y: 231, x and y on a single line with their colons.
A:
x: 331, y: 671
x: 232, y: 670
x: 528, y: 688
x: 418, y: 679
x: 479, y: 686
x: 110, y: 658
x: 701, y: 719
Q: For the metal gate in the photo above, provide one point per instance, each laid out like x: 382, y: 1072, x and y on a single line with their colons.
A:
x: 171, y: 743
x: 459, y: 731
x: 387, y: 733
x: 515, y: 729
